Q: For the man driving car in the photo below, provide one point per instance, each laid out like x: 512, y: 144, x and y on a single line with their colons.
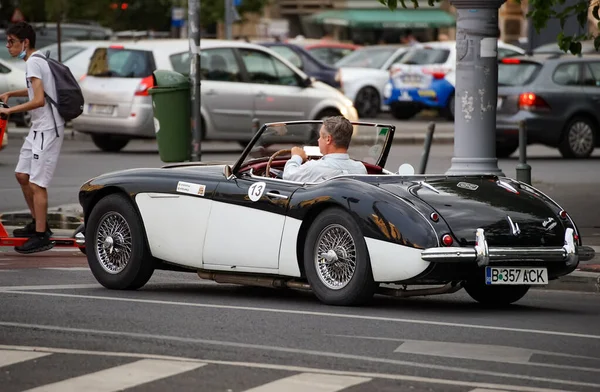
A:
x: 334, y: 139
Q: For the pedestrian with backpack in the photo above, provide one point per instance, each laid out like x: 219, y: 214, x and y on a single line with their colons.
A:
x: 41, y: 148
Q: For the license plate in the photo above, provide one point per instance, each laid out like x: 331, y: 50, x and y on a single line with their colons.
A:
x: 412, y: 80
x: 516, y: 275
x: 101, y: 109
x: 499, y: 105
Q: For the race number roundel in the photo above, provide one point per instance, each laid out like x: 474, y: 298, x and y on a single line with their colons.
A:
x: 256, y: 191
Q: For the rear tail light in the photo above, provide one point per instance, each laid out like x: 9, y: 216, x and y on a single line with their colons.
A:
x: 82, y: 78
x: 563, y: 214
x: 531, y: 101
x: 144, y: 86
x: 511, y: 61
x: 437, y: 73
x: 447, y: 240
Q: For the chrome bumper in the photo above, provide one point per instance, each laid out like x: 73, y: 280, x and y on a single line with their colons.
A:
x: 570, y: 253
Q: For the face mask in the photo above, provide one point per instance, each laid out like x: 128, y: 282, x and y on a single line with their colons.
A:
x: 23, y: 53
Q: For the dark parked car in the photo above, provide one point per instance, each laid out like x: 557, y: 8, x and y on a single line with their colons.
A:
x: 306, y: 62
x: 558, y: 98
x: 341, y: 237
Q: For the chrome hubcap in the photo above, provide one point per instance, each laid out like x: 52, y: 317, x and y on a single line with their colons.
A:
x: 335, y: 257
x: 113, y: 242
x: 581, y: 138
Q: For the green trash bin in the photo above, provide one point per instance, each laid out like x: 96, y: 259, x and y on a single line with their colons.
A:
x: 172, y: 112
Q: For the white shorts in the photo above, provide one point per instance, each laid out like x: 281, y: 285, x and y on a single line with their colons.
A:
x: 39, y: 155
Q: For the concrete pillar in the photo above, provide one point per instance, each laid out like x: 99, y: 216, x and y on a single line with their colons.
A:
x: 476, y: 87
x: 194, y: 32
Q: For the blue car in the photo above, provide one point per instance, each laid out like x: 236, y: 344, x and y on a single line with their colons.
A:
x: 409, y: 93
x: 306, y: 62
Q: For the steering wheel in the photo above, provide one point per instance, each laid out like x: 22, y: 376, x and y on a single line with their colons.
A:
x: 280, y: 152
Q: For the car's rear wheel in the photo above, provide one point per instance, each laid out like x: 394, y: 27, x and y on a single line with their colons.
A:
x: 579, y: 138
x: 110, y: 143
x: 367, y: 102
x: 494, y: 295
x: 450, y: 108
x: 116, y: 244
x: 404, y: 112
x: 25, y: 120
x: 336, y: 260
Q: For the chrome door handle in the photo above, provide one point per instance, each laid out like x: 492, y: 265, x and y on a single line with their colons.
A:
x: 261, y: 94
x: 211, y: 92
x: 277, y: 195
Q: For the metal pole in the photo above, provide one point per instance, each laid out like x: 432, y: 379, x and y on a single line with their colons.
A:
x: 427, y: 148
x: 228, y: 18
x: 523, y: 169
x: 476, y: 87
x: 195, y: 75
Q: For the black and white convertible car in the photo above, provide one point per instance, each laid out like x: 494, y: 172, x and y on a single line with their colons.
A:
x: 345, y: 238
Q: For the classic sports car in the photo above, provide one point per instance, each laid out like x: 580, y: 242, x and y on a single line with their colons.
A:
x: 345, y: 238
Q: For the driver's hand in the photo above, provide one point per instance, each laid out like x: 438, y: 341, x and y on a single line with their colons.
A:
x: 300, y: 151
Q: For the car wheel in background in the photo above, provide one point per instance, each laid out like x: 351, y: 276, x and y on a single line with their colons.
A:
x: 494, y: 295
x: 579, y: 138
x: 116, y: 245
x: 110, y: 143
x: 367, y: 102
x: 404, y: 112
x: 449, y: 110
x: 336, y: 260
x: 505, y: 150
x: 25, y: 120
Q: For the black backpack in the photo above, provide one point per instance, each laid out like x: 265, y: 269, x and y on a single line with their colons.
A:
x: 70, y: 99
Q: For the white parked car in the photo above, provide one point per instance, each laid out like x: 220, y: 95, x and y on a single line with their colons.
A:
x: 74, y: 54
x: 13, y: 78
x: 365, y: 72
x: 240, y: 82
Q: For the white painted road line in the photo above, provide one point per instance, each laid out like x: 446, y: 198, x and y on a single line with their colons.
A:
x: 121, y: 377
x: 297, y: 369
x: 481, y: 352
x: 312, y: 382
x: 66, y: 268
x: 10, y: 357
x: 296, y: 352
x: 486, y: 390
x: 51, y: 287
x: 13, y: 290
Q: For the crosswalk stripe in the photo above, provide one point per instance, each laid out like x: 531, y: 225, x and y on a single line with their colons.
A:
x: 121, y: 377
x: 313, y: 382
x: 9, y: 357
x: 486, y: 390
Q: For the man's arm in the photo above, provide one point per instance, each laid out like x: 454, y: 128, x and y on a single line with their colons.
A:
x: 292, y: 167
x: 38, y: 98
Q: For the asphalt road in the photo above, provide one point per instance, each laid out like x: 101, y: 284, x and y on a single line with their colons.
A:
x: 181, y: 333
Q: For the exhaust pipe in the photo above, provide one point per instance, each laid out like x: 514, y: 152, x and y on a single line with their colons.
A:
x: 450, y: 288
x: 260, y: 281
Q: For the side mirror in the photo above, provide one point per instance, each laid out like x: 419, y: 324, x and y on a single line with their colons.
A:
x: 307, y: 82
x: 406, y: 169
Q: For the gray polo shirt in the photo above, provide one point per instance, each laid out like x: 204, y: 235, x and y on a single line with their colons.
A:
x: 328, y: 166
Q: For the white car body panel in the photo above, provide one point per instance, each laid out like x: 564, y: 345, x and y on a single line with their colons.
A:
x: 391, y: 262
x: 175, y: 226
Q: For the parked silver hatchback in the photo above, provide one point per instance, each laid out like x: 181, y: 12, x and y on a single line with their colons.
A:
x: 240, y: 81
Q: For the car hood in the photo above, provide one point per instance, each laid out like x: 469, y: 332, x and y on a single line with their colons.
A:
x: 487, y: 202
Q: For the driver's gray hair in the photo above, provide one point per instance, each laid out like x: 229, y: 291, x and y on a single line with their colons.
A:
x: 340, y: 129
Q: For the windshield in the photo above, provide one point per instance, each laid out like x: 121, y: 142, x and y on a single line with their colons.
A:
x: 517, y: 74
x: 423, y: 56
x: 367, y: 57
x: 368, y: 142
x: 121, y: 63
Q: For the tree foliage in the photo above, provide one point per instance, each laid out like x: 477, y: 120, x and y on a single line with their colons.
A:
x: 542, y: 11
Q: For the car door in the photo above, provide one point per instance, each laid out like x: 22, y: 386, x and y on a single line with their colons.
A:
x: 591, y: 86
x: 229, y: 101
x: 246, y: 223
x: 278, y: 94
x: 4, y: 79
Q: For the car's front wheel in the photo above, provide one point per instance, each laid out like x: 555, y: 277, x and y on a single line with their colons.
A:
x: 368, y: 102
x: 116, y: 244
x: 336, y: 260
x: 494, y: 295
